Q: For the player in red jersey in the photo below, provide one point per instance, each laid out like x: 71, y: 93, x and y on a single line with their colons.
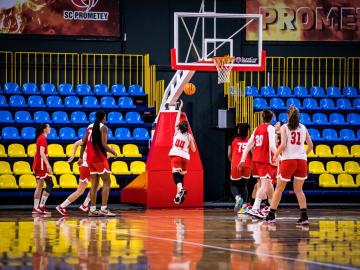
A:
x: 293, y: 163
x: 95, y: 142
x: 42, y: 170
x: 263, y: 142
x: 238, y: 183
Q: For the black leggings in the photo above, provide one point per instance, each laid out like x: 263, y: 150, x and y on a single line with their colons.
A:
x: 239, y: 187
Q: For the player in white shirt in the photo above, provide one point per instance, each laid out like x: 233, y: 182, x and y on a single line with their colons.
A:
x: 293, y: 163
x: 179, y: 154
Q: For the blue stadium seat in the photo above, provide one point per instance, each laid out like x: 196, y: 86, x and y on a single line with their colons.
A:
x: 315, y: 134
x: 54, y: 102
x: 23, y: 117
x: 110, y: 135
x: 301, y: 91
x: 310, y: 104
x: 349, y: 91
x: 305, y: 119
x: 327, y: 104
x: 72, y: 102
x: 28, y: 133
x: 101, y: 90
x: 358, y: 134
x: 90, y: 102
x: 284, y: 91
x: 136, y: 90
x: 3, y: 102
x: 6, y: 117
x: 343, y: 104
x: 251, y: 91
x: 293, y: 102
x: 42, y: 117
x: 356, y: 104
x: 84, y: 90
x: 320, y: 119
x: 268, y: 91
x: 81, y: 132
x: 317, y: 91
x: 337, y: 119
x: 274, y: 120
x: 126, y: 103
x: 17, y: 101
x: 36, y: 102
x: 30, y: 89
x: 133, y: 118
x: 276, y: 103
x: 333, y: 91
x: 353, y: 119
x: 283, y: 117
x: 115, y: 118
x: 347, y: 135
x: 141, y: 134
x: 118, y: 90
x: 10, y: 133
x: 79, y: 118
x: 67, y: 133
x: 330, y: 134
x: 66, y: 89
x: 60, y: 117
x: 53, y: 135
x: 92, y: 117
x: 260, y: 103
x: 48, y: 89
x: 11, y: 88
x: 123, y: 134
x: 108, y: 102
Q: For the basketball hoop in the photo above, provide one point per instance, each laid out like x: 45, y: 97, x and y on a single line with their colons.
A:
x: 224, y: 66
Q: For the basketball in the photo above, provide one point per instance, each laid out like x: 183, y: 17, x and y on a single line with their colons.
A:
x: 189, y: 89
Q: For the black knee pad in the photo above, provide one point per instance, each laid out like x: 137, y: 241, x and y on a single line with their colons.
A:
x: 177, y: 178
x: 49, y: 184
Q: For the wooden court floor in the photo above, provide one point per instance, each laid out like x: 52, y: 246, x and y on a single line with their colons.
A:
x: 180, y: 239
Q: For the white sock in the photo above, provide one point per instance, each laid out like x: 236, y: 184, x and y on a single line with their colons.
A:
x: 92, y: 208
x: 237, y: 197
x: 257, y: 203
x: 65, y: 203
x: 103, y: 208
x: 43, y: 201
x: 36, y: 203
x: 179, y: 187
x: 269, y: 200
x: 87, y: 201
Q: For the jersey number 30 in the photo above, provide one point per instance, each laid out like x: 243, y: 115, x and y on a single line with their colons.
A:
x: 259, y: 140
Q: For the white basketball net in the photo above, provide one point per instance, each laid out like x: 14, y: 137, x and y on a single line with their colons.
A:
x: 224, y: 66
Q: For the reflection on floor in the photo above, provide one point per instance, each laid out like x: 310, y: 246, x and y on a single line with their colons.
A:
x: 180, y: 239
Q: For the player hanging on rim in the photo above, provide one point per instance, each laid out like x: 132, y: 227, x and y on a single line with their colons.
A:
x: 42, y: 170
x: 95, y: 142
x: 263, y: 142
x: 179, y: 154
x: 238, y: 183
x: 83, y: 181
x: 293, y: 163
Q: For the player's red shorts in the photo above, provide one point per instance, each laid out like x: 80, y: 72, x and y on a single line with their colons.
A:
x: 296, y: 168
x: 41, y: 174
x: 84, y: 174
x: 264, y: 170
x: 99, y: 167
x: 235, y: 174
x: 179, y: 164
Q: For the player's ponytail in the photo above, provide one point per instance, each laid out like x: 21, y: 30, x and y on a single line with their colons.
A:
x: 96, y: 133
x: 40, y: 130
x: 243, y: 130
x: 294, y: 117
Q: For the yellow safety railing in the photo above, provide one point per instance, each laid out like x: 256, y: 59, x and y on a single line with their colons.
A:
x: 6, y: 66
x: 321, y: 71
x: 353, y: 72
x: 46, y: 67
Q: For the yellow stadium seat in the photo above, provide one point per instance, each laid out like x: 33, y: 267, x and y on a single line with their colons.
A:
x: 137, y: 167
x: 352, y: 167
x: 327, y: 180
x: 56, y: 185
x: 346, y: 180
x: 27, y: 181
x: 56, y: 150
x: 22, y: 167
x: 311, y: 154
x: 16, y: 150
x: 5, y: 168
x: 355, y: 150
x: 119, y: 167
x: 113, y: 183
x: 68, y: 181
x: 76, y: 170
x: 2, y: 151
x: 70, y: 149
x: 323, y: 151
x: 131, y: 150
x: 117, y: 150
x: 316, y: 167
x: 7, y: 181
x: 31, y: 149
x: 62, y: 167
x: 334, y: 167
x: 358, y: 180
x: 340, y: 150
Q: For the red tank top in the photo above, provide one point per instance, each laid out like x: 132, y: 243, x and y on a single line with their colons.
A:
x: 94, y: 154
x: 39, y: 163
x: 238, y: 146
x: 262, y: 151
